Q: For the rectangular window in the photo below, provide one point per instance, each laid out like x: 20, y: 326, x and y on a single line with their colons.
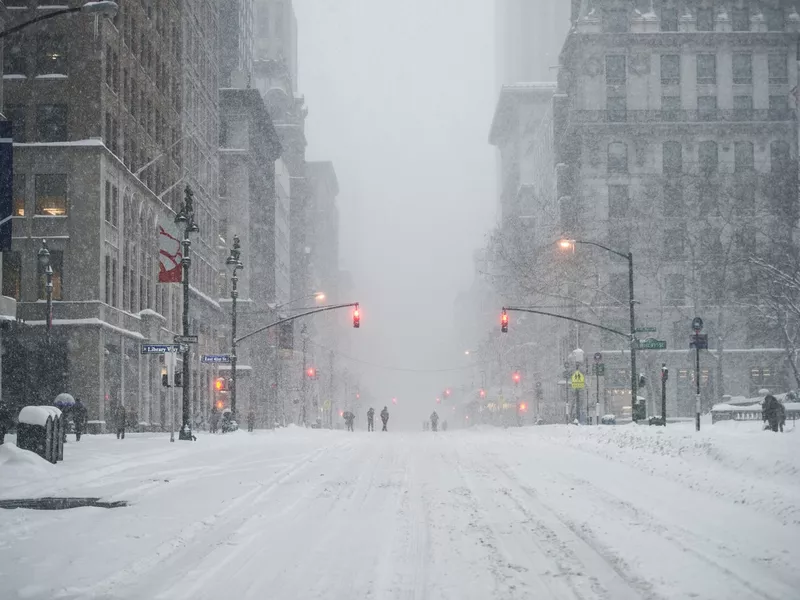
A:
x: 670, y: 69
x: 743, y: 156
x: 745, y: 199
x: 670, y: 107
x: 51, y: 123
x: 779, y: 104
x: 615, y: 69
x: 778, y: 66
x: 12, y: 275
x: 618, y: 201
x: 114, y: 298
x: 708, y: 154
x: 617, y: 107
x: 705, y: 19
x: 16, y: 114
x: 109, y: 281
x: 707, y: 107
x: 19, y: 195
x: 774, y: 17
x: 675, y: 292
x: 15, y: 60
x: 51, y: 195
x: 706, y: 68
x: 619, y: 236
x: 57, y: 264
x: 673, y: 199
x: 615, y: 20
x: 51, y: 55
x: 743, y: 106
x: 741, y: 19
x: 673, y: 243
x: 742, y: 67
x: 669, y: 19
x: 672, y: 157
x: 107, y: 212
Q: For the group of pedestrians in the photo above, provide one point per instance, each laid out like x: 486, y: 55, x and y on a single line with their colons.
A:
x: 371, y: 419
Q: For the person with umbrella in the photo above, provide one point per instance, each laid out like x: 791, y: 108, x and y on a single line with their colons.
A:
x: 64, y: 402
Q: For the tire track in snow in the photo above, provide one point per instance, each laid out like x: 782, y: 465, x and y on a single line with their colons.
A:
x: 121, y: 583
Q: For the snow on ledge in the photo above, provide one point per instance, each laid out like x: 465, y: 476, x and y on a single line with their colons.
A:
x: 38, y: 415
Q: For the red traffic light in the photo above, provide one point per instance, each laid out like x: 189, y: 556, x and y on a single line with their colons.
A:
x: 483, y: 393
x: 447, y: 392
x: 394, y: 400
x: 311, y: 372
x: 516, y: 377
x: 356, y: 317
x: 504, y: 322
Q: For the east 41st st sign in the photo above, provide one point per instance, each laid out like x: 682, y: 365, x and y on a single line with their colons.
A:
x: 651, y: 344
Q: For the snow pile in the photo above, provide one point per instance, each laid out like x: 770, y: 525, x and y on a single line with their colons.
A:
x: 737, y: 461
x: 38, y: 415
x: 18, y: 466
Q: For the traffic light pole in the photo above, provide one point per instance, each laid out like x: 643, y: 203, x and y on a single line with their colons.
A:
x: 697, y: 381
x: 664, y: 393
x: 186, y: 218
x: 295, y: 317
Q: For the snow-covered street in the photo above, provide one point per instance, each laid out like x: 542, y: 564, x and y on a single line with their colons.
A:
x: 548, y: 512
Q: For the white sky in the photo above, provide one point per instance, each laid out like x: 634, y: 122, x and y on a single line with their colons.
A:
x: 400, y: 96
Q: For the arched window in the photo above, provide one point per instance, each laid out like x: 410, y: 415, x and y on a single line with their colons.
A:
x: 617, y: 157
x: 672, y: 157
x: 779, y: 156
x: 708, y: 157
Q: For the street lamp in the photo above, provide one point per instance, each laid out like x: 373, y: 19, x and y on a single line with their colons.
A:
x: 44, y: 260
x: 95, y: 8
x: 185, y: 217
x: 234, y: 261
x: 568, y: 244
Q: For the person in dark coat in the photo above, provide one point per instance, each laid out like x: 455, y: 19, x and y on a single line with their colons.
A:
x: 434, y: 421
x: 214, y: 419
x: 385, y: 418
x: 781, y: 410
x: 120, y: 421
x: 770, y: 411
x: 349, y: 417
x: 251, y: 421
x: 371, y: 419
x: 80, y: 416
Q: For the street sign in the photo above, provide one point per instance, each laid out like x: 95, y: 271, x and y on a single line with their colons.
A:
x: 578, y: 381
x: 699, y: 341
x: 697, y: 323
x: 216, y: 358
x: 185, y: 339
x: 599, y: 369
x: 651, y: 344
x: 160, y: 348
x: 645, y: 330
x: 326, y: 405
x: 598, y: 357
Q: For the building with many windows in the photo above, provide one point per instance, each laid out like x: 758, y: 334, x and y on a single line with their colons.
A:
x: 676, y: 126
x: 112, y: 118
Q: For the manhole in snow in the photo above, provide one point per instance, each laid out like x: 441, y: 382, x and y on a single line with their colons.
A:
x: 59, y: 503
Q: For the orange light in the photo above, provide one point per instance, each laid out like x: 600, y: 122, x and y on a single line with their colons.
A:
x: 220, y: 405
x: 219, y: 384
x: 523, y: 407
x: 504, y: 322
x: 566, y: 244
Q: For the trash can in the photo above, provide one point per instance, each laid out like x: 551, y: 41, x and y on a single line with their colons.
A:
x: 39, y: 430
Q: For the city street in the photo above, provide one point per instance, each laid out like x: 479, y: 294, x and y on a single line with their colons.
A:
x: 540, y: 512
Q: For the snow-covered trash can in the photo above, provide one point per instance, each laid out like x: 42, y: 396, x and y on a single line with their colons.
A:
x: 39, y: 430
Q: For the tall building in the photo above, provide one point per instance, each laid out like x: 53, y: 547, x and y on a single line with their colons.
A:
x: 112, y: 118
x: 528, y: 37
x: 681, y: 147
x: 237, y: 43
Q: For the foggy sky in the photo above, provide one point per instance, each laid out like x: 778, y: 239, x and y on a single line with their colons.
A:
x: 400, y: 96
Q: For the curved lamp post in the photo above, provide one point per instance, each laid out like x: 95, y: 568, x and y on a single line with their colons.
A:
x: 234, y: 261
x: 95, y: 8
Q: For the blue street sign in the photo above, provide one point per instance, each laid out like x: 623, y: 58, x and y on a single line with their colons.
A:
x: 160, y: 348
x: 6, y: 184
x: 216, y: 358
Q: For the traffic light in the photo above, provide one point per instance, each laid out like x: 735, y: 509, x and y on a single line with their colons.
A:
x: 523, y: 407
x: 516, y: 377
x: 483, y: 393
x: 356, y: 317
x: 164, y: 377
x: 664, y: 372
x: 504, y: 322
x: 394, y: 400
x: 220, y: 404
x: 220, y: 384
x: 311, y: 372
x: 447, y: 392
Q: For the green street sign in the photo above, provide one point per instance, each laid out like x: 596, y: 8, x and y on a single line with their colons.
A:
x: 650, y: 344
x: 645, y: 330
x: 599, y: 369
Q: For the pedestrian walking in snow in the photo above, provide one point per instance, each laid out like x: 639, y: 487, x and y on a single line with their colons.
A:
x: 349, y: 417
x: 385, y: 418
x: 80, y: 416
x: 251, y: 421
x: 781, y: 410
x: 434, y: 421
x: 770, y: 412
x: 371, y: 419
x: 120, y: 421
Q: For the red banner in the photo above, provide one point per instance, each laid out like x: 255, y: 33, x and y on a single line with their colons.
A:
x: 169, y: 256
